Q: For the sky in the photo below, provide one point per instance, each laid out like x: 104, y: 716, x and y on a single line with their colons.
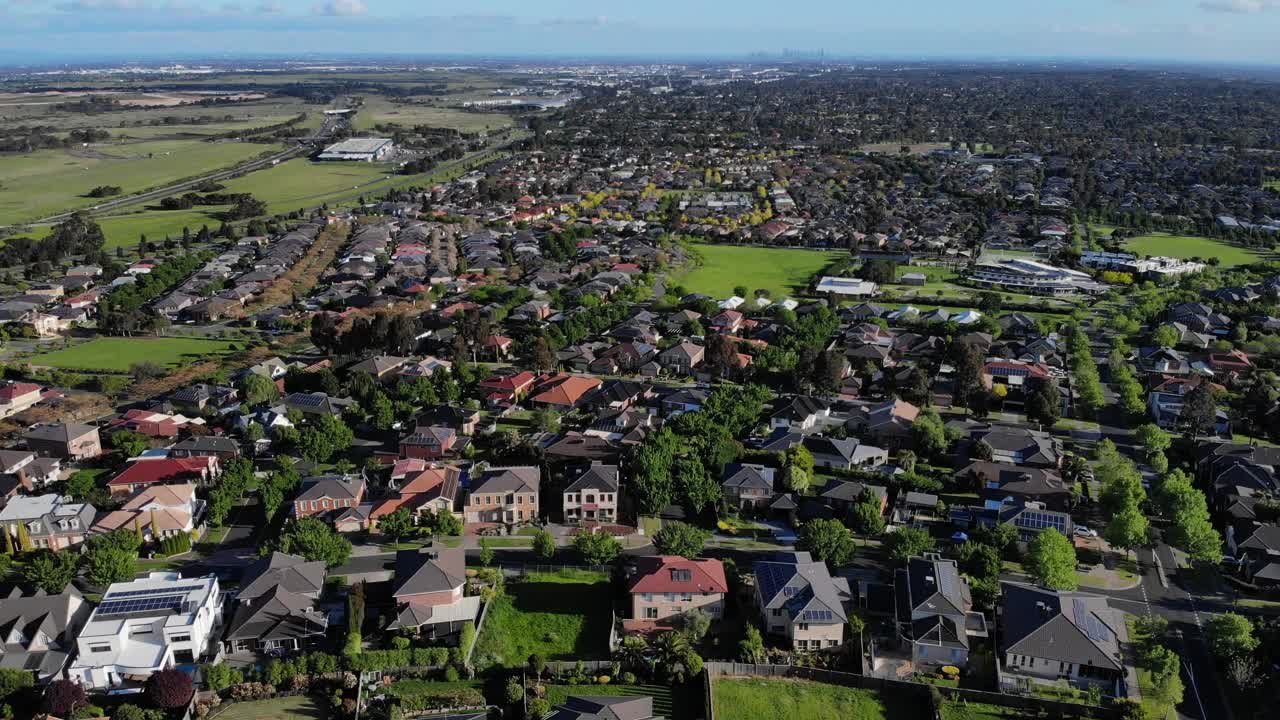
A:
x: 1236, y: 31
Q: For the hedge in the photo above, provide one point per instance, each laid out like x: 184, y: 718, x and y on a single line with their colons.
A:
x: 395, y: 659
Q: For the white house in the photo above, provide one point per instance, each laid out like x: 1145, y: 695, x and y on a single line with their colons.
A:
x: 142, y: 626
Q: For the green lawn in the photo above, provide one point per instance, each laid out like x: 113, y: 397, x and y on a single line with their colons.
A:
x: 781, y: 271
x: 1184, y: 246
x: 760, y: 699
x: 378, y: 110
x: 126, y: 230
x: 663, y: 703
x: 560, y: 616
x: 979, y: 711
x: 301, y: 183
x: 290, y: 708
x: 51, y: 181
x: 119, y: 354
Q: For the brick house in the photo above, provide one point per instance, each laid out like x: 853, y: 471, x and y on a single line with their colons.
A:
x: 507, y: 496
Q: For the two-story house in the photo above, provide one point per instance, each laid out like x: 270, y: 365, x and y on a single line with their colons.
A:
x: 504, y: 495
x: 428, y: 443
x: 276, y: 606
x: 681, y: 359
x: 40, y: 630
x: 800, y: 601
x: 592, y: 495
x: 48, y: 521
x: 746, y: 485
x: 329, y: 496
x: 66, y: 441
x: 16, y: 397
x: 934, y: 611
x: 428, y: 592
x: 432, y: 489
x: 221, y: 447
x: 667, y: 586
x: 157, y: 512
x: 139, y: 474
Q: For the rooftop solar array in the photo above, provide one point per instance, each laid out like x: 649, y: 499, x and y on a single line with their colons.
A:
x: 171, y: 603
x: 309, y: 400
x: 1089, y: 623
x: 149, y: 592
x: 817, y: 615
x: 1038, y: 520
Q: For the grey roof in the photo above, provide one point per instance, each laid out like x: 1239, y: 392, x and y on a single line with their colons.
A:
x: 428, y: 570
x: 799, y: 408
x: 804, y: 587
x: 749, y: 476
x: 597, y: 477
x: 208, y: 443
x: 1064, y: 626
x: 278, y: 569
x: 851, y: 490
x: 590, y: 707
x: 1263, y: 537
x: 59, y: 617
x: 330, y: 486
x: 935, y: 587
x: 525, y: 478
x: 58, y: 432
x: 277, y: 614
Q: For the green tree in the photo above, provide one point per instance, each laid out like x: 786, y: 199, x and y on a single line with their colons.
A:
x: 751, y: 647
x: 1165, y: 336
x: 397, y: 524
x: 486, y: 552
x: 1045, y: 404
x: 112, y: 557
x: 907, y: 542
x: 799, y: 458
x: 1231, y: 636
x: 697, y: 487
x: 1199, y: 410
x: 256, y: 390
x: 129, y: 443
x: 50, y: 571
x: 314, y: 540
x: 827, y: 540
x: 24, y: 538
x: 597, y: 548
x: 929, y: 433
x: 381, y: 412
x: 81, y: 485
x: 1152, y: 438
x: 544, y: 545
x: 866, y: 518
x: 1051, y: 560
x: 678, y: 538
x: 1127, y: 529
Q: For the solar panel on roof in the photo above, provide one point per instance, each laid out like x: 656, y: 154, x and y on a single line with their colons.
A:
x: 136, y: 605
x: 152, y: 591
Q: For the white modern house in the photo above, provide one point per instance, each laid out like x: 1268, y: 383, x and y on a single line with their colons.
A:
x: 142, y: 626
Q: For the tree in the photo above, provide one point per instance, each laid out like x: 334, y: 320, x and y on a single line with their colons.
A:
x: 133, y: 712
x: 24, y: 538
x: 866, y: 518
x: 544, y: 545
x: 1052, y: 560
x: 170, y: 689
x: 597, y: 548
x: 355, y: 609
x: 799, y: 458
x: 486, y: 552
x: 1127, y: 529
x: 129, y: 443
x: 1045, y: 404
x: 256, y: 389
x: 314, y: 540
x: 1152, y: 438
x: 797, y: 480
x: 929, y: 433
x: 64, y: 697
x: 397, y: 524
x: 678, y: 538
x: 1231, y: 636
x: 49, y: 571
x: 751, y: 647
x: 827, y: 540
x: 112, y: 557
x: 907, y: 542
x: 81, y: 485
x: 1165, y: 336
x: 1199, y: 410
x: 446, y: 523
x: 697, y: 487
x: 12, y: 680
x: 381, y: 412
x: 968, y: 390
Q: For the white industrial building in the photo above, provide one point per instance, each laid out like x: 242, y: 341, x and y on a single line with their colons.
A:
x: 848, y: 287
x: 359, y: 150
x: 1032, y: 277
x: 143, y: 626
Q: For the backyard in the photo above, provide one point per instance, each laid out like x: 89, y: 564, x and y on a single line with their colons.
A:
x: 761, y: 699
x: 114, y: 354
x: 664, y: 701
x: 783, y: 272
x: 289, y: 708
x: 560, y: 616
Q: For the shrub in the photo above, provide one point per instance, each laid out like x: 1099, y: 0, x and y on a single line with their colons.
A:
x: 451, y: 674
x: 252, y: 691
x: 170, y: 689
x: 602, y: 680
x: 63, y: 698
x: 628, y: 678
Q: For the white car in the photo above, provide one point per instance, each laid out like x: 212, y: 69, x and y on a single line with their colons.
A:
x: 1083, y: 531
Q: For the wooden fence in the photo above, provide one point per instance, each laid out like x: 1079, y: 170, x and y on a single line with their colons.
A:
x: 1055, y: 708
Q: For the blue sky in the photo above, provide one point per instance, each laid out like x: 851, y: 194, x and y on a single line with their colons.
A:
x: 1190, y: 30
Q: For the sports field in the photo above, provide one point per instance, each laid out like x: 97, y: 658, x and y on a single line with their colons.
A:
x: 114, y: 354
x: 781, y: 271
x: 1183, y: 246
x: 51, y: 181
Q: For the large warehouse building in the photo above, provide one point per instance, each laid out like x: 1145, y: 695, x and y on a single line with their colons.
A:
x: 359, y: 149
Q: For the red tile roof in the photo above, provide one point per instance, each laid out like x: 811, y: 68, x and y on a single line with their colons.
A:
x: 143, y: 472
x: 654, y: 575
x: 11, y: 392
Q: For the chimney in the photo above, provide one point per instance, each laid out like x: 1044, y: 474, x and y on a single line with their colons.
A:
x: 22, y: 478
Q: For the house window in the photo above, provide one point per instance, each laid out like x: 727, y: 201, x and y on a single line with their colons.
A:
x: 183, y: 657
x: 140, y: 630
x: 180, y: 638
x: 651, y: 613
x: 669, y: 597
x: 777, y: 612
x: 313, y: 504
x: 803, y: 626
x: 99, y: 648
x: 648, y: 597
x: 686, y: 597
x: 832, y: 643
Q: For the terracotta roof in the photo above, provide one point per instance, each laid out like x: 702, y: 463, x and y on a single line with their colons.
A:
x: 143, y: 472
x: 568, y: 391
x: 668, y: 573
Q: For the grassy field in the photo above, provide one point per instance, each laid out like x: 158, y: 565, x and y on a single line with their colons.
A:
x: 301, y: 183
x: 1183, y: 246
x: 663, y: 703
x: 760, y: 699
x: 980, y: 711
x: 560, y: 616
x: 781, y: 271
x: 939, y: 278
x: 118, y: 354
x: 378, y: 110
x: 290, y: 708
x: 51, y: 181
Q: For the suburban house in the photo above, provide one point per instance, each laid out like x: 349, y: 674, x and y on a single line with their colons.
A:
x: 505, y: 495
x: 799, y: 600
x: 887, y: 424
x: 381, y: 367
x: 275, y: 608
x: 30, y: 470
x: 1021, y: 446
x: 1052, y: 635
x: 141, y: 626
x: 66, y: 441
x: 317, y: 403
x: 593, y: 495
x: 430, y: 490
x: 844, y: 453
x: 1001, y: 481
x: 600, y: 707
x: 16, y: 397
x: 666, y: 586
x: 48, y: 521
x: 681, y: 359
x: 223, y: 448
x: 41, y: 630
x: 428, y: 592
x: 195, y: 398
x: 146, y: 472
x: 565, y: 392
x: 800, y: 414
x: 328, y: 496
x: 934, y: 613
x: 747, y: 485
x: 157, y: 511
x: 428, y: 443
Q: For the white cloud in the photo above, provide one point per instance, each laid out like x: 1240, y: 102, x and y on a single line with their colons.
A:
x: 341, y: 8
x: 1243, y: 7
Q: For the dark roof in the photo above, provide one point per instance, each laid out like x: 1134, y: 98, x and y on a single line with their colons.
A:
x: 291, y: 572
x: 596, y: 477
x: 1059, y: 625
x: 429, y: 570
x: 589, y: 707
x: 749, y: 476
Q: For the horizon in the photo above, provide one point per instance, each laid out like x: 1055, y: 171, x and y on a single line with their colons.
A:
x: 1186, y: 32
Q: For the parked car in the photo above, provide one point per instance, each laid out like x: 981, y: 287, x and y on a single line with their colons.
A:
x: 1083, y: 531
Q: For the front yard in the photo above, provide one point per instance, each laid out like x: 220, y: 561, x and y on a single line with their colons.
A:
x: 561, y: 616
